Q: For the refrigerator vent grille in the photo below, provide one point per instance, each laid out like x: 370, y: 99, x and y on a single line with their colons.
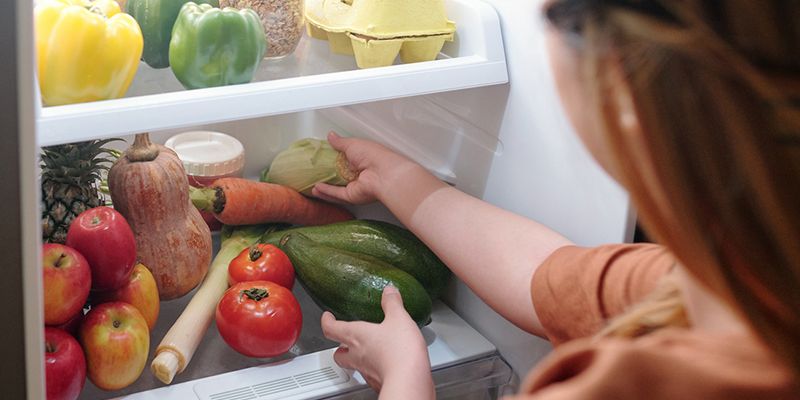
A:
x: 235, y: 394
x: 314, y: 377
x: 269, y: 389
x: 276, y: 386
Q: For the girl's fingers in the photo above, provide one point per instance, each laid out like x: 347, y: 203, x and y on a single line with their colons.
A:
x: 392, y: 302
x: 372, y: 383
x: 342, y: 358
x: 331, y: 193
x: 338, y: 142
x: 353, y: 148
x: 335, y: 330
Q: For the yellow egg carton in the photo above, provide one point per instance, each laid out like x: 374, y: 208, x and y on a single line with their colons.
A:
x: 375, y: 31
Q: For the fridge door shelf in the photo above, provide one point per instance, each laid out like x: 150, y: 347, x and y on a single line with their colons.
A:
x: 311, y: 78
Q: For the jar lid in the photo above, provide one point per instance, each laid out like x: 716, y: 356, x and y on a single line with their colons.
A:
x: 207, y: 153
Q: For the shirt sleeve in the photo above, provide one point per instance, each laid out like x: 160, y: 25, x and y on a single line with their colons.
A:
x: 577, y: 289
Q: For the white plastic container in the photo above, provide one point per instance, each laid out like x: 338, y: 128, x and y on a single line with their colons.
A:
x: 208, y: 156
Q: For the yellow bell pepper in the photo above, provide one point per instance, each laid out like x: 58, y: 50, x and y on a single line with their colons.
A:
x: 87, y: 50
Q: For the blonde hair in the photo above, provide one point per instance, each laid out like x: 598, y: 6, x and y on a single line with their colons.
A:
x: 663, y: 307
x: 715, y: 172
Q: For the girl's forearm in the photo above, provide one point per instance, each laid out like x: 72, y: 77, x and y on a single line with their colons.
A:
x: 495, y: 252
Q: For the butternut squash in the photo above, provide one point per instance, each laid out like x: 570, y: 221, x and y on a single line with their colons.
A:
x: 149, y: 188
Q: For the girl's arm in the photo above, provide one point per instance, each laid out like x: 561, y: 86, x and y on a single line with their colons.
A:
x: 495, y: 252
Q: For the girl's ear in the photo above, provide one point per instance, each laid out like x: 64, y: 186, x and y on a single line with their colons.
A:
x: 636, y: 145
x: 627, y: 119
x: 622, y: 123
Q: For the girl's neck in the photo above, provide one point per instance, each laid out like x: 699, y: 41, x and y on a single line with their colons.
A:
x: 706, y: 311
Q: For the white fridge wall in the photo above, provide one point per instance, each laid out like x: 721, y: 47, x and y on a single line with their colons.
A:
x: 453, y: 134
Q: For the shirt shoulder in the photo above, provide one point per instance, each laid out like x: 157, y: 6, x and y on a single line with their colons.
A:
x: 669, y: 364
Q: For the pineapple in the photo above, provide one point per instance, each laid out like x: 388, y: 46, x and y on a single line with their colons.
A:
x: 70, y: 177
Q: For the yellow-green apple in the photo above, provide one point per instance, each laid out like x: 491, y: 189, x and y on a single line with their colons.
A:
x: 67, y: 279
x: 116, y: 341
x: 64, y: 365
x: 141, y: 292
x: 103, y: 236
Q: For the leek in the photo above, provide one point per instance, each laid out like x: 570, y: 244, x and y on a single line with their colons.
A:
x: 179, y: 344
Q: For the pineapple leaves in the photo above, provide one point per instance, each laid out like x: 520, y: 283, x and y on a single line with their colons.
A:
x: 71, y: 176
x: 78, y: 163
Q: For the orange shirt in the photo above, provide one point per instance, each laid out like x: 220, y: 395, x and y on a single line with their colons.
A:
x: 577, y: 289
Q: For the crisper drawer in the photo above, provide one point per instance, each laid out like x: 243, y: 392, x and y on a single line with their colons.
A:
x: 307, y: 371
x: 483, y: 379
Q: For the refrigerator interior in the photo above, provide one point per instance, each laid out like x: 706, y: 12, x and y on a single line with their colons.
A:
x: 431, y: 130
x: 444, y: 114
x: 487, y: 124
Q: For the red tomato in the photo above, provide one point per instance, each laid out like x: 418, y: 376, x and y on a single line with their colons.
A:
x: 259, y: 319
x: 262, y: 262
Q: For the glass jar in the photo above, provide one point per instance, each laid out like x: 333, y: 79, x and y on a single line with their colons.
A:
x: 282, y: 21
x: 206, y: 157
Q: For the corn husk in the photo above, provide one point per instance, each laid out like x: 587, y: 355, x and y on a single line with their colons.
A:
x: 307, y: 162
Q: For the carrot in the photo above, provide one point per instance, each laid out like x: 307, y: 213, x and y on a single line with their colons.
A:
x: 237, y: 201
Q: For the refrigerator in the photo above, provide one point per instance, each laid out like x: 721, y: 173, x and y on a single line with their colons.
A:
x: 484, y: 117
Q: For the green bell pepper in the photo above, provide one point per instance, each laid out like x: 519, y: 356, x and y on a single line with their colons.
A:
x: 214, y: 47
x: 156, y: 18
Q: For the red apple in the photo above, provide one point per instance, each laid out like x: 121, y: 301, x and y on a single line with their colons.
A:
x: 140, y: 291
x: 64, y: 365
x: 104, y: 237
x: 116, y: 341
x: 67, y: 279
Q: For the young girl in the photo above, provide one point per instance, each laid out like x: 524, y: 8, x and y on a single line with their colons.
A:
x: 694, y: 106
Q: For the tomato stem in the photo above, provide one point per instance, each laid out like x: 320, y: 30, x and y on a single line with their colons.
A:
x: 255, y: 253
x: 255, y: 294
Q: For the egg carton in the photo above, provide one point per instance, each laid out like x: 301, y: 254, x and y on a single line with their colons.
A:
x: 371, y: 52
x: 376, y: 31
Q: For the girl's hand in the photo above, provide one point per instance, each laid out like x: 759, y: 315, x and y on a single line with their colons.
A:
x: 376, y: 165
x: 391, y: 356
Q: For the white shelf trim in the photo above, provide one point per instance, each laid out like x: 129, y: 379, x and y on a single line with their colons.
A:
x: 180, y: 109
